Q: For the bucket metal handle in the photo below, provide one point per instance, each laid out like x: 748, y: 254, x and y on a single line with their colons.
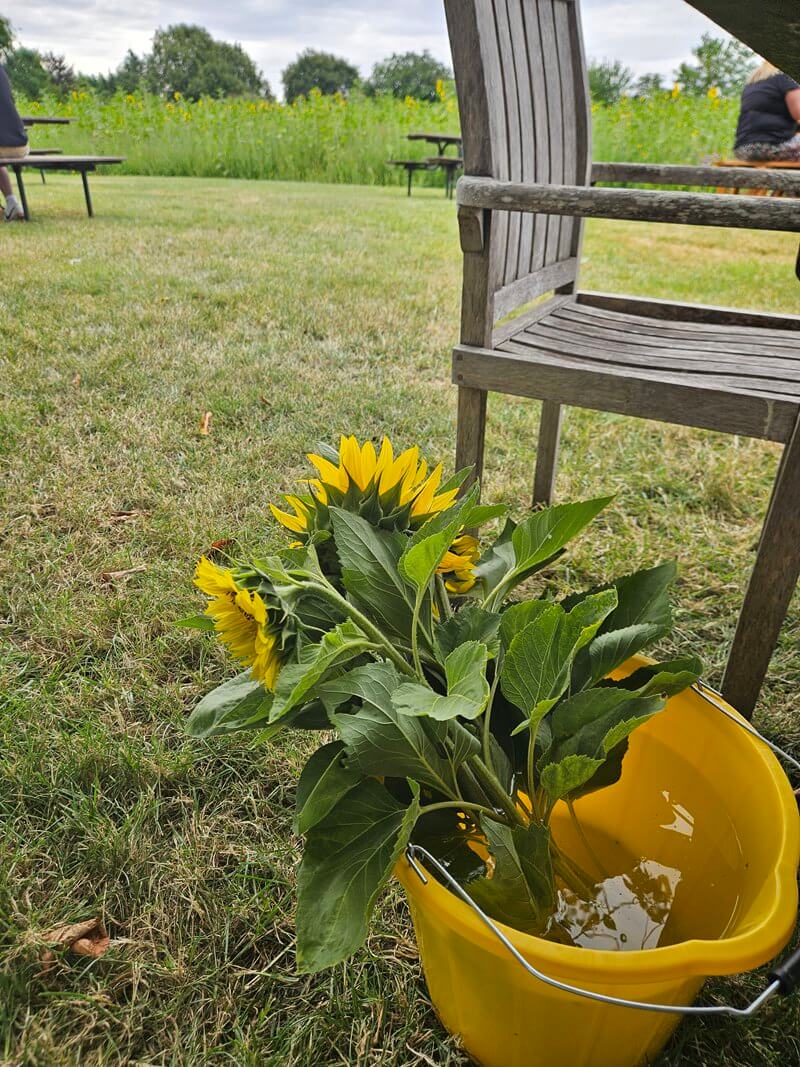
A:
x: 784, y: 978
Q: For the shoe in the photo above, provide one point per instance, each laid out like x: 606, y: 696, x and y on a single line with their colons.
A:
x: 14, y: 214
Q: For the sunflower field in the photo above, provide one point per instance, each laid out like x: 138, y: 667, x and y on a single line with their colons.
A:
x: 339, y: 139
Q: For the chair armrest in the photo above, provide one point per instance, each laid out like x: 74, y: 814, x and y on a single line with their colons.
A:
x: 637, y: 205
x: 673, y: 174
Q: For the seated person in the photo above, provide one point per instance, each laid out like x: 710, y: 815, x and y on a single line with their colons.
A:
x: 13, y: 145
x: 768, y: 119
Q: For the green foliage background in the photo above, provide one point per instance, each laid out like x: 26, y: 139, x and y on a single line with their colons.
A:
x: 333, y: 139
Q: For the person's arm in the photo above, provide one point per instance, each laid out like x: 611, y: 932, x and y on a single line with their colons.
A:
x: 793, y: 103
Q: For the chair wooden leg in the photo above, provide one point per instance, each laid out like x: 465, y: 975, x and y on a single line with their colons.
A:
x: 471, y: 431
x: 547, y: 453
x: 771, y: 585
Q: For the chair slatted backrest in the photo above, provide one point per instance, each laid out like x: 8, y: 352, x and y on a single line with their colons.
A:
x: 525, y: 116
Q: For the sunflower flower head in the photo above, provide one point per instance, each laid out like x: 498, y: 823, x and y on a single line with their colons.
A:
x: 458, y: 564
x: 242, y: 621
x: 393, y: 492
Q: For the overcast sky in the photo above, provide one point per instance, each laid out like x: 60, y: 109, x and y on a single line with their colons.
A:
x: 649, y: 35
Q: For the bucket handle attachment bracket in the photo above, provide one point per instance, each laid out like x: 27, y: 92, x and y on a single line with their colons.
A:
x: 784, y: 978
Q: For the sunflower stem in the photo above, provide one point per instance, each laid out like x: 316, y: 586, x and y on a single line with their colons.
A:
x: 487, y: 715
x: 443, y: 599
x: 369, y: 628
x: 460, y: 805
x: 494, y: 790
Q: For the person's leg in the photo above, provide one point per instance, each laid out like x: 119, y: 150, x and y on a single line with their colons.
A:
x: 13, y: 208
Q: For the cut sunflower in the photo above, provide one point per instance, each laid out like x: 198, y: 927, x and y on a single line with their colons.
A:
x: 458, y: 564
x: 392, y: 492
x: 242, y: 621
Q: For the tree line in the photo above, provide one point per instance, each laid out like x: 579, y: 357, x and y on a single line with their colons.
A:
x: 716, y: 65
x: 187, y: 60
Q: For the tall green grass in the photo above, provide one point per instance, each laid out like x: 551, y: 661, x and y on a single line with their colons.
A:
x: 333, y: 139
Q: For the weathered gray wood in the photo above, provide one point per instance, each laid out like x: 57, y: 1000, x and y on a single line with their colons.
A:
x: 547, y: 453
x: 770, y: 589
x: 726, y: 349
x: 510, y: 327
x: 60, y: 162
x: 523, y: 97
x: 569, y: 133
x: 770, y: 27
x: 552, y: 77
x: 644, y: 205
x: 513, y: 130
x: 647, y: 395
x: 671, y: 174
x: 731, y: 375
x: 700, y: 314
x: 712, y: 333
x: 660, y: 329
x: 553, y: 276
x: 532, y: 42
x: 471, y: 229
x: 471, y: 432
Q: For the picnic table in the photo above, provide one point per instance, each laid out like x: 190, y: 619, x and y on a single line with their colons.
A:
x: 442, y: 161
x: 53, y: 161
x: 44, y: 120
x: 441, y: 140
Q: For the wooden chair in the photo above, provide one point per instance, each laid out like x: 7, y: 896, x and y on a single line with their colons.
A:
x: 523, y: 97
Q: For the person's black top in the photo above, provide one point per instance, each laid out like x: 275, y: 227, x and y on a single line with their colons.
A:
x: 765, y: 118
x: 12, y: 132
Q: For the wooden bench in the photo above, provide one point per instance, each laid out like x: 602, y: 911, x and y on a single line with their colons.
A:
x: 449, y: 164
x: 411, y: 165
x: 80, y: 164
x: 767, y: 189
x: 525, y: 112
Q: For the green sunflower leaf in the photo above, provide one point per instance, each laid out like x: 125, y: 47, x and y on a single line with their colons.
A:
x: 536, y: 670
x: 297, y: 681
x: 369, y: 559
x: 643, y: 615
x: 467, y: 688
x: 196, y: 622
x: 241, y: 703
x: 520, y: 890
x: 471, y: 623
x: 324, y: 780
x: 522, y: 550
x: 349, y: 856
x: 382, y: 741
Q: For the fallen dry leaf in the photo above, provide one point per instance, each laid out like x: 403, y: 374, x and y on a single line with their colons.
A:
x: 126, y: 516
x: 88, y: 938
x: 76, y: 380
x: 113, y: 576
x: 220, y: 546
x: 205, y: 424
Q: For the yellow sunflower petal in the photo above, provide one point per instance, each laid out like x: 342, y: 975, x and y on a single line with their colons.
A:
x: 385, y: 458
x: 213, y: 580
x: 266, y: 661
x: 291, y: 522
x: 350, y: 459
x: 319, y: 490
x: 423, y: 502
x: 369, y: 461
x: 328, y: 473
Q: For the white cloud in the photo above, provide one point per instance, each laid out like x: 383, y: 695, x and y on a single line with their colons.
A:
x: 95, y: 34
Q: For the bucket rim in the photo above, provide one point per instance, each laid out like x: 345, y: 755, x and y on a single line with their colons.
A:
x: 757, y: 945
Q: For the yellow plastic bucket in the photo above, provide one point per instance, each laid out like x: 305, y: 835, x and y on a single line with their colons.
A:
x: 699, y: 795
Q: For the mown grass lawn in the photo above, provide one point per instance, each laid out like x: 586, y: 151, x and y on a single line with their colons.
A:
x: 291, y: 313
